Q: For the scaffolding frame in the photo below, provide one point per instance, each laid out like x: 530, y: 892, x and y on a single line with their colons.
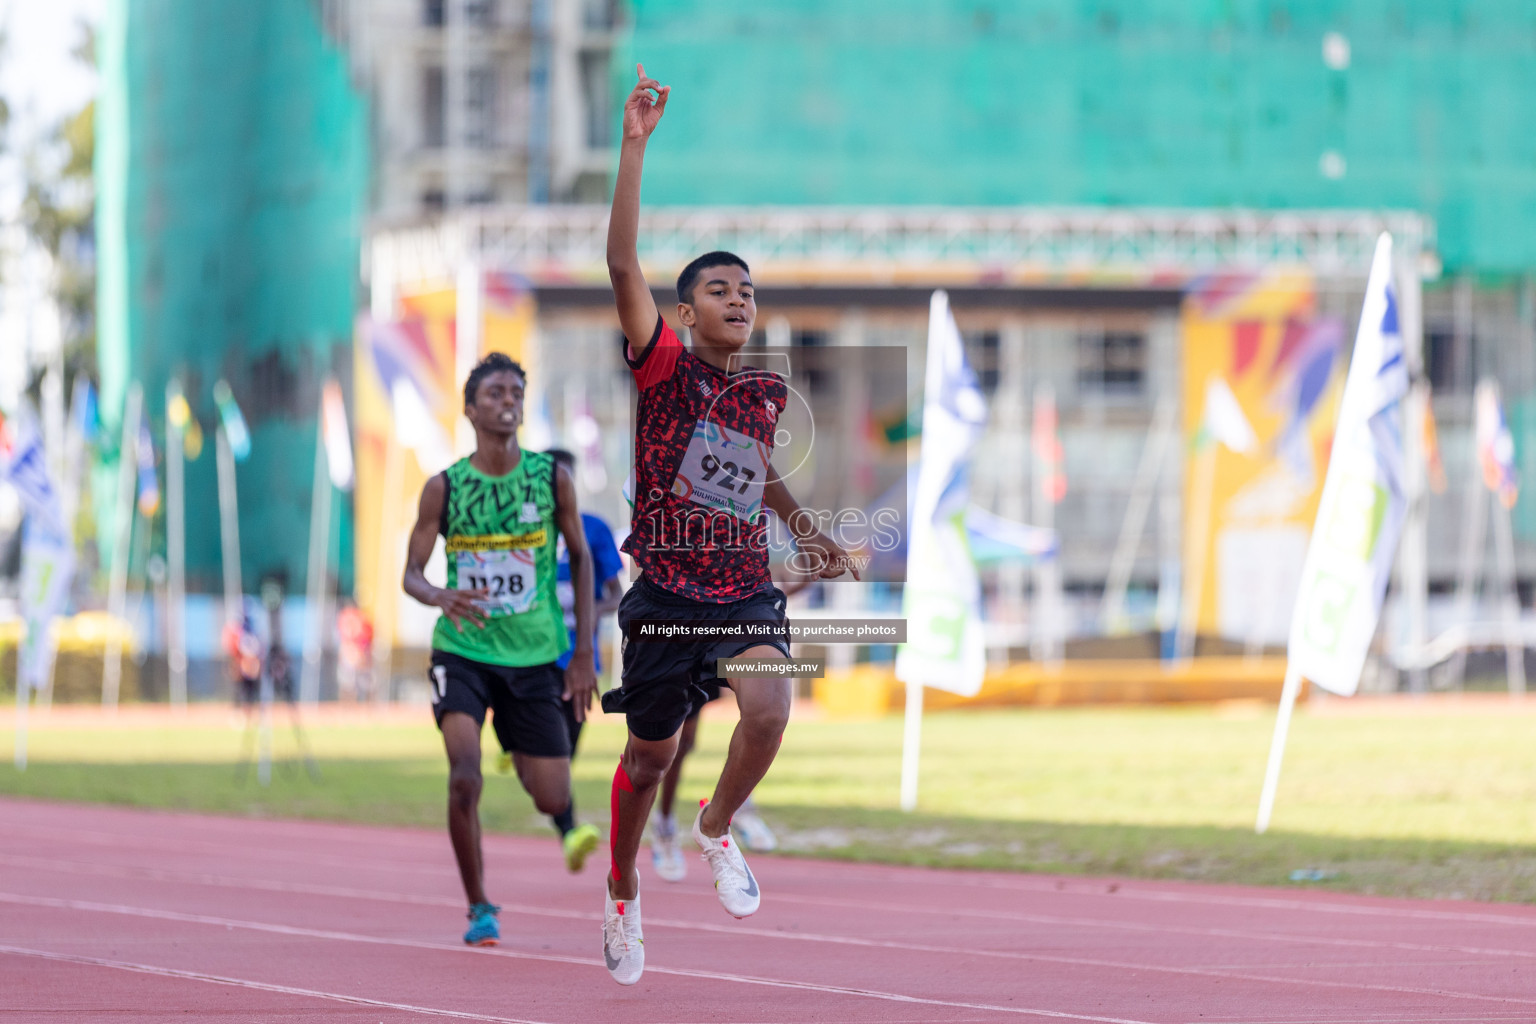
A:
x: 553, y: 244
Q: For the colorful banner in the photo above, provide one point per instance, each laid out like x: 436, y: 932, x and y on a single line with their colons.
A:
x: 1261, y: 376
x: 403, y: 376
x: 1495, y: 445
x: 1363, y: 503
x: 1046, y: 438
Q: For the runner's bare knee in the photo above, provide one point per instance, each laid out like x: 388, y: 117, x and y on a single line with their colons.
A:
x: 465, y: 783
x: 645, y: 762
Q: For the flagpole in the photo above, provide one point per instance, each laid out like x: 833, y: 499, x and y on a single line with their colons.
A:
x: 229, y: 525
x: 122, y: 538
x: 23, y: 698
x: 911, y: 744
x: 175, y: 552
x: 1169, y: 566
x: 1277, y: 747
x: 1045, y: 645
x: 469, y: 318
x: 1414, y: 553
x: 384, y: 611
x: 1514, y: 649
x: 1153, y: 456
x: 1474, y: 517
x: 1197, y: 542
x: 319, y: 562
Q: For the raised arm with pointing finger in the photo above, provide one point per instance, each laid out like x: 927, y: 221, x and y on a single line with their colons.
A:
x: 642, y: 113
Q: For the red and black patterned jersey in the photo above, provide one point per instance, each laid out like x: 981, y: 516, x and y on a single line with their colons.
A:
x: 703, y: 442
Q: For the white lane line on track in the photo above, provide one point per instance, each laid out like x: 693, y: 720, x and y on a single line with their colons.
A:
x: 344, y: 892
x: 1127, y: 888
x: 1223, y: 974
x: 374, y: 940
x: 287, y: 854
x: 263, y: 986
x: 1044, y: 919
x: 999, y: 915
x: 1130, y: 889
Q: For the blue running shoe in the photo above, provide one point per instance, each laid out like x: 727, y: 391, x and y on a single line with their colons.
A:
x: 483, y: 929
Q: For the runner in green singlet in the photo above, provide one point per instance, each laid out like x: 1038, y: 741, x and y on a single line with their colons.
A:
x: 502, y: 628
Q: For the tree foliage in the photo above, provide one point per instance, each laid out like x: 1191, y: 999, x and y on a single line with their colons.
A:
x: 59, y: 210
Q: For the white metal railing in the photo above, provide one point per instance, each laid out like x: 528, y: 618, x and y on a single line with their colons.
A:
x: 833, y: 245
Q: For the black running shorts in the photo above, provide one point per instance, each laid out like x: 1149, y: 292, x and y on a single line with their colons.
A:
x: 665, y: 681
x: 524, y: 702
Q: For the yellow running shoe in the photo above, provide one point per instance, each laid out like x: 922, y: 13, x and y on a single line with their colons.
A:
x: 579, y: 843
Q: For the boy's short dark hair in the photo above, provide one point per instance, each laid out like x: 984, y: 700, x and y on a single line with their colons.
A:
x: 496, y: 362
x: 690, y: 275
x: 563, y: 457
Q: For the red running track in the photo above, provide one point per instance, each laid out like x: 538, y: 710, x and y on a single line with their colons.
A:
x: 108, y: 914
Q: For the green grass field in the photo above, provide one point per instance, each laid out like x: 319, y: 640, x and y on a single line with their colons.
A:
x: 1441, y: 802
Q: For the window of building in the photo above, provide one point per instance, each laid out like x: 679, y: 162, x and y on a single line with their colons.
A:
x: 599, y: 15
x: 981, y: 349
x: 480, y: 106
x: 595, y: 100
x: 1440, y: 358
x: 1112, y: 363
x: 480, y: 12
x: 433, y: 101
x: 434, y: 13
x: 1453, y: 364
x: 810, y: 369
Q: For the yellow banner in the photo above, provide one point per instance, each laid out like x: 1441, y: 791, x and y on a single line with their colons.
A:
x: 1255, y: 338
x: 420, y: 346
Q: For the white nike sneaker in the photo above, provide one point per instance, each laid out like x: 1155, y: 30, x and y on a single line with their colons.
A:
x: 734, y: 884
x: 666, y: 856
x: 753, y: 831
x: 623, y: 943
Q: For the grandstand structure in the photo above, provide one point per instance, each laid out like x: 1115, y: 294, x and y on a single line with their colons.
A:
x: 1037, y: 292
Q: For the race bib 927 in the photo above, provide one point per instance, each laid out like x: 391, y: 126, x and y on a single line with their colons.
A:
x: 723, y: 469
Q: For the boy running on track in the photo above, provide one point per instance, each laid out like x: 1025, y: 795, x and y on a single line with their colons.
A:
x: 756, y: 836
x: 703, y: 437
x: 501, y: 630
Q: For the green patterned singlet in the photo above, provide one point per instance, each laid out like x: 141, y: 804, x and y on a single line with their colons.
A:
x: 500, y: 533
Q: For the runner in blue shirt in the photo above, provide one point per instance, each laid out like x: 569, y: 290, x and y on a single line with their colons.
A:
x: 580, y: 840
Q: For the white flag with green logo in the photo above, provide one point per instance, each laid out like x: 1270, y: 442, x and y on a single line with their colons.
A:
x: 942, y: 600
x: 1363, y: 505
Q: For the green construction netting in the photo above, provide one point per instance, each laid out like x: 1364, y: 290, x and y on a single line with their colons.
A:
x: 1159, y: 102
x: 232, y: 184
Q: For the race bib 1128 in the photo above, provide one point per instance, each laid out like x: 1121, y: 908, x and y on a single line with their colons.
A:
x: 501, y: 565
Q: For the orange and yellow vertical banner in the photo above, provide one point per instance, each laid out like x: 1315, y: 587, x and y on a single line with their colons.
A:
x: 407, y: 395
x: 1259, y: 339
